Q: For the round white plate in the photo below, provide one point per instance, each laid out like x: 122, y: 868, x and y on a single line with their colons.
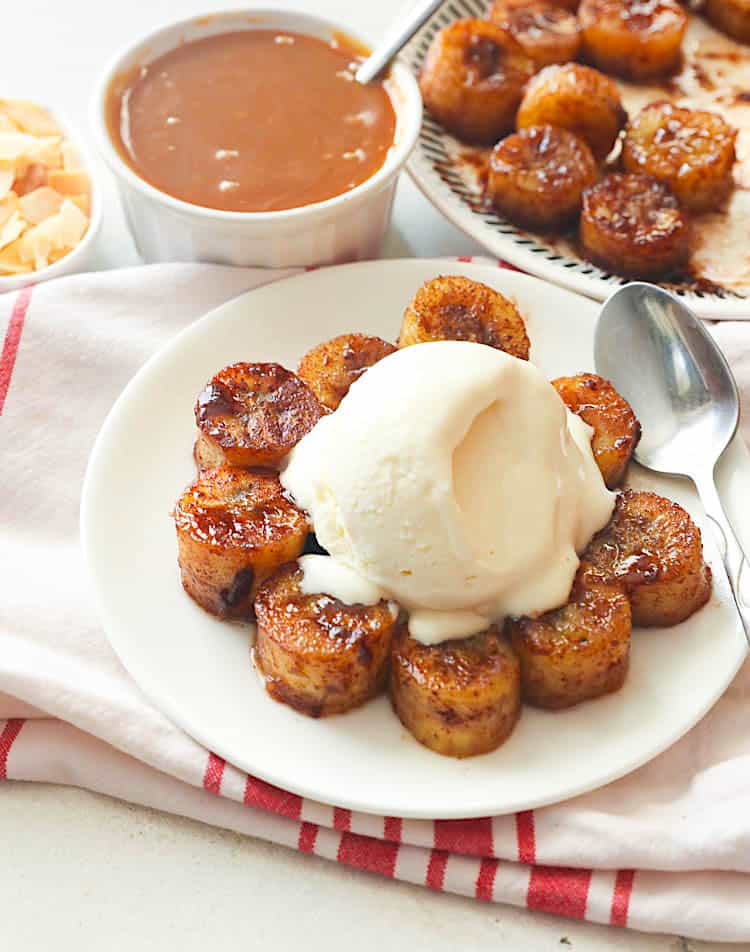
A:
x: 197, y: 669
x: 453, y: 189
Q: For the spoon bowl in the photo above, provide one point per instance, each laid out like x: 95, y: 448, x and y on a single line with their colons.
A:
x: 662, y: 359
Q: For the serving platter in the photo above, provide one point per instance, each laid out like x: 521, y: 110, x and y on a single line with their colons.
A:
x: 197, y: 670
x: 715, y: 75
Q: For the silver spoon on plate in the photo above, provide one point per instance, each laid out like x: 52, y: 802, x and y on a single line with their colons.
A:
x: 662, y: 359
x: 396, y: 38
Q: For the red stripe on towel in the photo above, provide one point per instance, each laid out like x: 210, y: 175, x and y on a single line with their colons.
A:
x: 12, y: 341
x: 342, y: 819
x: 559, y: 890
x: 7, y: 738
x: 258, y: 793
x: 486, y: 879
x: 526, y: 837
x: 472, y: 837
x: 392, y: 827
x: 621, y: 897
x: 213, y: 774
x: 436, y: 869
x: 308, y: 834
x: 367, y: 853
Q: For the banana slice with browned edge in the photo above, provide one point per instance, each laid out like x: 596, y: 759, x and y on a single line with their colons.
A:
x: 456, y: 308
x: 691, y: 151
x: 252, y: 415
x: 332, y: 367
x: 577, y: 98
x: 653, y: 549
x: 234, y: 528
x: 545, y: 31
x: 577, y: 652
x: 635, y: 39
x: 472, y: 80
x: 459, y: 698
x: 536, y: 177
x: 633, y: 225
x: 316, y: 653
x: 616, y: 429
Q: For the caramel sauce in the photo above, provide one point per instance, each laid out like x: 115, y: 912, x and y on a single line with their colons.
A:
x: 252, y: 121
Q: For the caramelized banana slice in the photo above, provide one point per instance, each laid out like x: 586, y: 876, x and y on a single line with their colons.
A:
x: 633, y: 225
x: 577, y: 652
x: 616, y: 430
x: 690, y: 151
x: 459, y: 698
x: 317, y: 654
x: 577, y: 98
x: 252, y: 415
x: 730, y: 16
x: 635, y: 39
x: 537, y: 176
x: 331, y: 368
x: 653, y: 548
x: 234, y: 527
x: 473, y: 78
x: 545, y: 31
x: 457, y: 308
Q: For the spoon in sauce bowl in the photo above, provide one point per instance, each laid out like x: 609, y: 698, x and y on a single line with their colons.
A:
x: 395, y: 40
x: 669, y: 368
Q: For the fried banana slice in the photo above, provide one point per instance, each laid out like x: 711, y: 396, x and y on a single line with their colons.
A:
x: 536, y: 177
x: 633, y: 225
x: 577, y: 98
x: 472, y: 80
x: 331, y: 368
x: 577, y: 652
x: 316, y: 653
x: 234, y: 528
x: 252, y: 415
x: 653, y: 549
x: 616, y: 430
x: 691, y: 151
x: 457, y: 308
x: 635, y: 39
x: 459, y: 698
x: 545, y: 31
x: 730, y: 16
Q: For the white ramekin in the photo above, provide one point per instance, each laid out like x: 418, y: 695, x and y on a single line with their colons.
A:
x: 81, y: 257
x: 347, y: 227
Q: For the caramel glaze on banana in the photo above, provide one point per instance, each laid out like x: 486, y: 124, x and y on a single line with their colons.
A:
x: 459, y: 698
x: 253, y: 415
x: 332, y: 367
x: 616, y: 429
x: 316, y: 653
x: 545, y: 31
x: 456, y: 308
x: 472, y: 80
x: 652, y: 549
x: 536, y: 177
x: 234, y: 528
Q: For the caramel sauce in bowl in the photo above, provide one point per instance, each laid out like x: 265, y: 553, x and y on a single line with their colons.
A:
x: 242, y: 138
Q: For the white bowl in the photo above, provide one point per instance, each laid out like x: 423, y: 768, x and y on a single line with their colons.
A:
x: 81, y: 257
x: 347, y: 227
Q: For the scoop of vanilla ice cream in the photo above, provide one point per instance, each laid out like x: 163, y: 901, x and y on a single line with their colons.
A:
x: 453, y: 477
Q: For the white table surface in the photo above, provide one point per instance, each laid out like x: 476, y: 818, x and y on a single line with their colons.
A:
x: 80, y: 871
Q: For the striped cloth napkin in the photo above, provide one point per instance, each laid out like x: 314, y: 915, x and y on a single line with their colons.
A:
x: 665, y: 849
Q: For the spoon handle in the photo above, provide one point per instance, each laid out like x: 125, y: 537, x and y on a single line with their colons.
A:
x: 396, y: 39
x: 735, y: 563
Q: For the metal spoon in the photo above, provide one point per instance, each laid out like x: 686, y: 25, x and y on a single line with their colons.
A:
x: 665, y: 363
x: 395, y: 40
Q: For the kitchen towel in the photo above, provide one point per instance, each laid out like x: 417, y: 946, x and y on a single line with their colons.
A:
x: 665, y: 849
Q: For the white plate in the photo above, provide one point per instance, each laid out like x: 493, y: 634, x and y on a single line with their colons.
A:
x: 453, y: 188
x: 197, y: 669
